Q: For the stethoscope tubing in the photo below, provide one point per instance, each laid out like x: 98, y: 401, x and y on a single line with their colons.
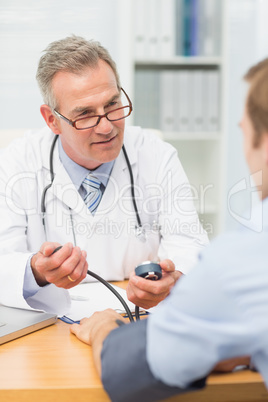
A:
x: 52, y: 175
x: 43, y: 210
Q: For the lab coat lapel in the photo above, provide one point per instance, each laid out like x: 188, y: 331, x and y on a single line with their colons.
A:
x: 119, y: 179
x: 62, y: 187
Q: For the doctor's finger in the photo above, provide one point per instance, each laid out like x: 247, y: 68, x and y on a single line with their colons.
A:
x: 146, y: 294
x: 145, y: 299
x: 49, y: 248
x: 72, y: 271
x: 167, y: 265
x: 175, y: 275
x: 54, y: 255
x: 58, y: 258
x: 79, y: 272
x: 72, y: 261
x: 44, y: 264
x: 56, y: 265
x: 154, y: 287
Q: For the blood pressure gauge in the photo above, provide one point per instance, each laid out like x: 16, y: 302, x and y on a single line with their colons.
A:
x: 149, y: 270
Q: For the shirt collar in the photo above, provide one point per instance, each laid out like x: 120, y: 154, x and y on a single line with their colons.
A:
x: 78, y: 173
x: 258, y: 220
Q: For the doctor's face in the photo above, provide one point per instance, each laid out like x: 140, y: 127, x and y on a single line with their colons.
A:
x: 93, y: 92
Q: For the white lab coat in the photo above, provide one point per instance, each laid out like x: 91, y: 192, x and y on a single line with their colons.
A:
x: 163, y: 198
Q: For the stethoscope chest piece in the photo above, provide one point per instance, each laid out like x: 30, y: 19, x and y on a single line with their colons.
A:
x: 140, y: 234
x: 149, y: 270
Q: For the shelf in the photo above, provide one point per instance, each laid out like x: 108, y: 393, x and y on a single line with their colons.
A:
x: 179, y: 95
x: 181, y: 60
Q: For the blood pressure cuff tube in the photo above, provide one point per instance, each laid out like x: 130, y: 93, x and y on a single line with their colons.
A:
x: 126, y: 375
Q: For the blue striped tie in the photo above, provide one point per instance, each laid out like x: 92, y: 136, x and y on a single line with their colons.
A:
x: 93, y: 193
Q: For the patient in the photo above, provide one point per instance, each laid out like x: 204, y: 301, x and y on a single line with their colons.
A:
x: 217, y: 313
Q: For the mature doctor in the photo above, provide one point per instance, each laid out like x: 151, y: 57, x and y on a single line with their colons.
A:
x: 71, y: 185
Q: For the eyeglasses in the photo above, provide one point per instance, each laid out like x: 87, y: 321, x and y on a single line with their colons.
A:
x: 92, y: 121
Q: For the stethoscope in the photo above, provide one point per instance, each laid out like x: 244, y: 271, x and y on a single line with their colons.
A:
x: 139, y: 230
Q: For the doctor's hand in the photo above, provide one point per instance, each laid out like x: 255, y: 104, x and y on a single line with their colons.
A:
x: 146, y: 293
x: 65, y: 268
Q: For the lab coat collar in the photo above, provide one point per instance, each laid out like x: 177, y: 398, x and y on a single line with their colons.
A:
x: 62, y: 186
x: 263, y: 208
x: 258, y: 218
x: 65, y: 190
x: 128, y: 142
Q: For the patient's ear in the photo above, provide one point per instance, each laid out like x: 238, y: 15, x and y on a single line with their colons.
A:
x: 50, y: 119
x: 265, y: 147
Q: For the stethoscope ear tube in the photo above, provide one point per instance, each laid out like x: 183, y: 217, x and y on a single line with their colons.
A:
x: 43, y: 197
x: 132, y: 187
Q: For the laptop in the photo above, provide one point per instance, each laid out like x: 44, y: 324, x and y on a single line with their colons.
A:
x: 16, y: 322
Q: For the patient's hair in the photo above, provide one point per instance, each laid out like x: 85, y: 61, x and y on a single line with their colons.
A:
x: 257, y: 100
x: 72, y: 54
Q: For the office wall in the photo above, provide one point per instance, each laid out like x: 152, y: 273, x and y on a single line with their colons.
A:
x: 26, y: 28
x: 246, y: 43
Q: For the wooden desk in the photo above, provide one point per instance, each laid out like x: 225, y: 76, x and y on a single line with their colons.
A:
x: 53, y: 365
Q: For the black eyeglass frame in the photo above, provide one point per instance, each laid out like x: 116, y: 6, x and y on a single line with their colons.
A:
x: 73, y: 122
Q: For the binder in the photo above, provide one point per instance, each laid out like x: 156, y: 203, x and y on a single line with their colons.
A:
x: 167, y: 110
x: 154, y: 89
x: 167, y: 28
x: 197, y: 93
x: 181, y: 101
x: 213, y: 100
x: 186, y: 27
x: 194, y: 27
x: 140, y: 39
x: 201, y: 22
x: 153, y: 22
x: 138, y: 100
x: 217, y: 34
x: 210, y: 27
x: 146, y: 105
x: 179, y: 38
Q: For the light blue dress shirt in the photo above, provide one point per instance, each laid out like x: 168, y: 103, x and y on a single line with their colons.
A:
x: 77, y: 174
x: 218, y: 311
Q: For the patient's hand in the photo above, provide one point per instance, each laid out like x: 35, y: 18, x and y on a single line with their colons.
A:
x: 230, y: 364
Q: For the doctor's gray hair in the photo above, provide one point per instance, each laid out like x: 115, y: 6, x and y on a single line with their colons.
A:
x: 72, y: 54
